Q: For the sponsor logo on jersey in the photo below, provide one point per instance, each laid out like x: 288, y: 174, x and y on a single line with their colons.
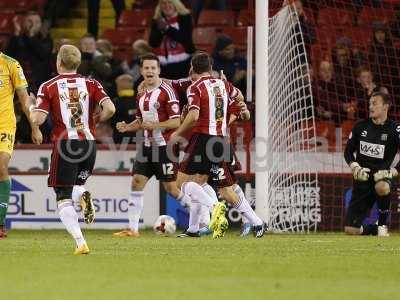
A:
x: 384, y: 137
x: 372, y: 150
x: 364, y: 133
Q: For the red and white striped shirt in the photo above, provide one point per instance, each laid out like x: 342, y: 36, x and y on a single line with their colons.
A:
x: 157, y: 105
x: 71, y: 99
x: 213, y: 98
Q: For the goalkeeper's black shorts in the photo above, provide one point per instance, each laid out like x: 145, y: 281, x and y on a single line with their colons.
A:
x: 362, y: 200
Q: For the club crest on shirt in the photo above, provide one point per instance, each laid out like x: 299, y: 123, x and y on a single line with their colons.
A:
x: 398, y: 128
x: 364, y: 133
x: 156, y: 105
x: 175, y: 108
x: 384, y: 137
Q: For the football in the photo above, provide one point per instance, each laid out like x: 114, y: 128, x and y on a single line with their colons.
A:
x: 164, y: 225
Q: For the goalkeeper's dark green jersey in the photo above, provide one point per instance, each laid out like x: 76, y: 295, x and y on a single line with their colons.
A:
x: 373, y: 146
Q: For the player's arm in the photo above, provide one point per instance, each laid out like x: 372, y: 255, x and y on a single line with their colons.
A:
x: 130, y: 127
x: 107, y: 110
x: 188, y: 123
x: 26, y: 103
x: 169, y: 124
x: 359, y: 173
x: 38, y: 117
x: 393, y: 172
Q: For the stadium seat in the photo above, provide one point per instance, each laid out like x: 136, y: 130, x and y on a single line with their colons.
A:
x: 246, y: 18
x: 135, y: 18
x: 241, y: 132
x: 6, y: 23
x: 145, y: 4
x: 218, y: 18
x: 326, y: 130
x: 369, y: 15
x: 332, y: 17
x: 359, y: 35
x: 124, y: 37
x: 204, y: 37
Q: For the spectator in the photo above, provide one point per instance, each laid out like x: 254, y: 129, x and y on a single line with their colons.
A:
x: 366, y: 87
x: 87, y: 45
x: 125, y: 105
x: 98, y: 62
x: 171, y: 35
x: 382, y: 57
x: 328, y: 105
x: 345, y: 62
x: 32, y: 49
x: 307, y: 28
x: 225, y: 59
x: 140, y: 47
x: 198, y: 5
x: 93, y: 14
x: 105, y: 68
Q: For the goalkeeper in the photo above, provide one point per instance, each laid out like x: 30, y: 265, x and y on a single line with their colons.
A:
x: 374, y: 142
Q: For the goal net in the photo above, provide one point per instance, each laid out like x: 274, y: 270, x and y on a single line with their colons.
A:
x: 290, y: 200
x: 348, y: 50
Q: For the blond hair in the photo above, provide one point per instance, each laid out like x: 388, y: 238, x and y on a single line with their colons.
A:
x: 70, y: 57
x: 180, y: 8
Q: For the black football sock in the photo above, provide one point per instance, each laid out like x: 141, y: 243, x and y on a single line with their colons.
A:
x: 383, y: 209
x: 370, y: 229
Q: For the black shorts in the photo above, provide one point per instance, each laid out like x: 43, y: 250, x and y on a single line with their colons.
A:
x: 156, y: 161
x: 208, y: 155
x: 362, y: 200
x: 225, y: 175
x: 72, y: 162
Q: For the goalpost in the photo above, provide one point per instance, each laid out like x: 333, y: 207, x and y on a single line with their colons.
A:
x: 287, y: 193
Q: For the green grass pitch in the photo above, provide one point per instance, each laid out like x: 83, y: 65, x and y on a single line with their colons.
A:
x: 40, y: 265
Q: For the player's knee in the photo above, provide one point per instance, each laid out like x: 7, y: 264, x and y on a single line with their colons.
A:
x: 4, y: 166
x: 228, y: 194
x: 63, y: 193
x: 137, y: 183
x: 352, y: 230
x: 382, y: 188
x: 171, y: 188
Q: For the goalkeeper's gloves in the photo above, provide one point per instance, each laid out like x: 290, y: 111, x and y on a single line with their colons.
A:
x: 385, y: 174
x: 359, y: 173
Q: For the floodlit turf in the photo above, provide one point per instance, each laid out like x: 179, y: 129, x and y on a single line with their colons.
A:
x: 40, y: 265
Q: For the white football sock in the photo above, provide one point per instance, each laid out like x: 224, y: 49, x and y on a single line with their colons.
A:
x: 239, y: 192
x: 197, y: 193
x: 69, y: 218
x: 194, y: 217
x: 184, y: 199
x: 205, y: 211
x: 244, y: 207
x: 204, y: 216
x: 135, y: 208
x: 77, y: 192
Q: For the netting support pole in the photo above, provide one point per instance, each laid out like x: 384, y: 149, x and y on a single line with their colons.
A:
x: 260, y: 161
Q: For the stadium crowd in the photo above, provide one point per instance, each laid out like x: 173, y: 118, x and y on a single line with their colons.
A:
x: 352, y: 49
